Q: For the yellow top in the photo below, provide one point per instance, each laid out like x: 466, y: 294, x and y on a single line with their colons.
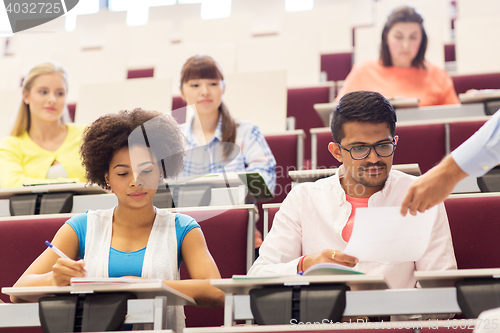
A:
x: 23, y: 161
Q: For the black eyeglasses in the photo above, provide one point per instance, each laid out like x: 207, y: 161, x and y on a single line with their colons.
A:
x: 361, y: 152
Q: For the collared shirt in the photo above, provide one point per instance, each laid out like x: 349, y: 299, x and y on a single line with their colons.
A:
x: 481, y: 152
x: 313, y: 215
x: 251, y: 153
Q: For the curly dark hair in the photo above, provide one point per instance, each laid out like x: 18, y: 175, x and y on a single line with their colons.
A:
x: 112, y: 132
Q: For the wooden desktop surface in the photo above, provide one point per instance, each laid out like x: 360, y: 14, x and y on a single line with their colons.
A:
x: 142, y: 290
x: 79, y: 188
x: 244, y: 285
x: 448, y: 278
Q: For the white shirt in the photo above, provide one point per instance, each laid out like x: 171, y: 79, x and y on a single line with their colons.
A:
x: 481, y: 152
x: 313, y: 215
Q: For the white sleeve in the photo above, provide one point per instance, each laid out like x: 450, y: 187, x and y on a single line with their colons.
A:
x: 481, y: 152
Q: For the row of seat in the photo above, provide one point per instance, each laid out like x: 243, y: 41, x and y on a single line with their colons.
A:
x: 425, y: 143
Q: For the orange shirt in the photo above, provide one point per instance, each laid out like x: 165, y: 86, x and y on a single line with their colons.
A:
x: 355, y: 203
x: 432, y: 85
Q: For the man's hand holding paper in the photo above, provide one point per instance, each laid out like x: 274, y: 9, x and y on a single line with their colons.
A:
x: 382, y: 234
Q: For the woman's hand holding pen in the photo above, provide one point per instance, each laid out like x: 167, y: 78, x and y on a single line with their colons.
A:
x: 328, y: 255
x: 64, y: 269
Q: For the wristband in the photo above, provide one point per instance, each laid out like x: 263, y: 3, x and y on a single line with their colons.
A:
x: 301, y: 264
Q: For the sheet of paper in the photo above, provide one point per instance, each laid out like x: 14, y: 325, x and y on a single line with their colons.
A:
x: 382, y: 234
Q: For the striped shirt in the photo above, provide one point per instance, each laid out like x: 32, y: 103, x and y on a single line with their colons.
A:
x: 251, y: 153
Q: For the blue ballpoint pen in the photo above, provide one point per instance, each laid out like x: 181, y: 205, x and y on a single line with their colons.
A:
x: 56, y: 250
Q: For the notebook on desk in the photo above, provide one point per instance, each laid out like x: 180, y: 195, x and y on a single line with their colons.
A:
x: 404, y: 102
x: 478, y: 96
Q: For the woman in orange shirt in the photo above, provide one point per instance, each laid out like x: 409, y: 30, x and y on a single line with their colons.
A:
x: 402, y: 70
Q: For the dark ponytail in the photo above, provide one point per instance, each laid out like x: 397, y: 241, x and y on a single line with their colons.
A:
x: 228, y: 129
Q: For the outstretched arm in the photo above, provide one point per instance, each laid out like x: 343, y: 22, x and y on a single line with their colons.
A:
x: 51, y: 270
x: 433, y: 187
x: 201, y: 268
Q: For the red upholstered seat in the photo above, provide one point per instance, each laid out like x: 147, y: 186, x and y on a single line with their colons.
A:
x: 463, y: 83
x: 22, y: 242
x: 284, y: 149
x: 422, y: 144
x: 177, y: 103
x: 449, y: 52
x: 226, y: 237
x: 336, y: 65
x: 71, y: 111
x: 461, y: 131
x: 140, y: 73
x: 325, y: 159
x: 271, y: 213
x: 475, y: 226
x: 300, y: 104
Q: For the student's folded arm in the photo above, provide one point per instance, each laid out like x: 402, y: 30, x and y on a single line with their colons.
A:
x: 202, y: 269
x: 42, y: 272
x: 12, y: 174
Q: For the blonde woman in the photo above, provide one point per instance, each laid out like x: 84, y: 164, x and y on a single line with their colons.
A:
x: 42, y: 148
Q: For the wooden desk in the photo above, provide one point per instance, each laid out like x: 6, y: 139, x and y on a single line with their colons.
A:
x: 440, y: 279
x: 237, y: 290
x: 480, y: 96
x: 78, y: 188
x: 366, y: 290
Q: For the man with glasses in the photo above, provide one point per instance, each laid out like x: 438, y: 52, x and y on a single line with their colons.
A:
x: 315, y: 221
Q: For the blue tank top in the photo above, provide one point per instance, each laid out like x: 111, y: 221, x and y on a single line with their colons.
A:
x: 130, y: 263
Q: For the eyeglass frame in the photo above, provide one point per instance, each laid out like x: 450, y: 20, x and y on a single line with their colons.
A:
x: 393, y: 143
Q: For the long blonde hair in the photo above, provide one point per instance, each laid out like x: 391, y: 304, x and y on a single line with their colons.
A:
x: 23, y: 120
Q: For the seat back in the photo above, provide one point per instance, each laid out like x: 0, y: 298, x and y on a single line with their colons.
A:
x: 422, y: 144
x: 271, y: 214
x: 463, y: 83
x: 300, y: 105
x: 461, y: 131
x: 226, y: 237
x: 22, y: 242
x: 475, y: 226
x: 336, y: 65
x: 325, y: 160
x: 284, y: 149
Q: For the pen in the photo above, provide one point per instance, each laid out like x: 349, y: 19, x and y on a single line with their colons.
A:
x: 56, y: 250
